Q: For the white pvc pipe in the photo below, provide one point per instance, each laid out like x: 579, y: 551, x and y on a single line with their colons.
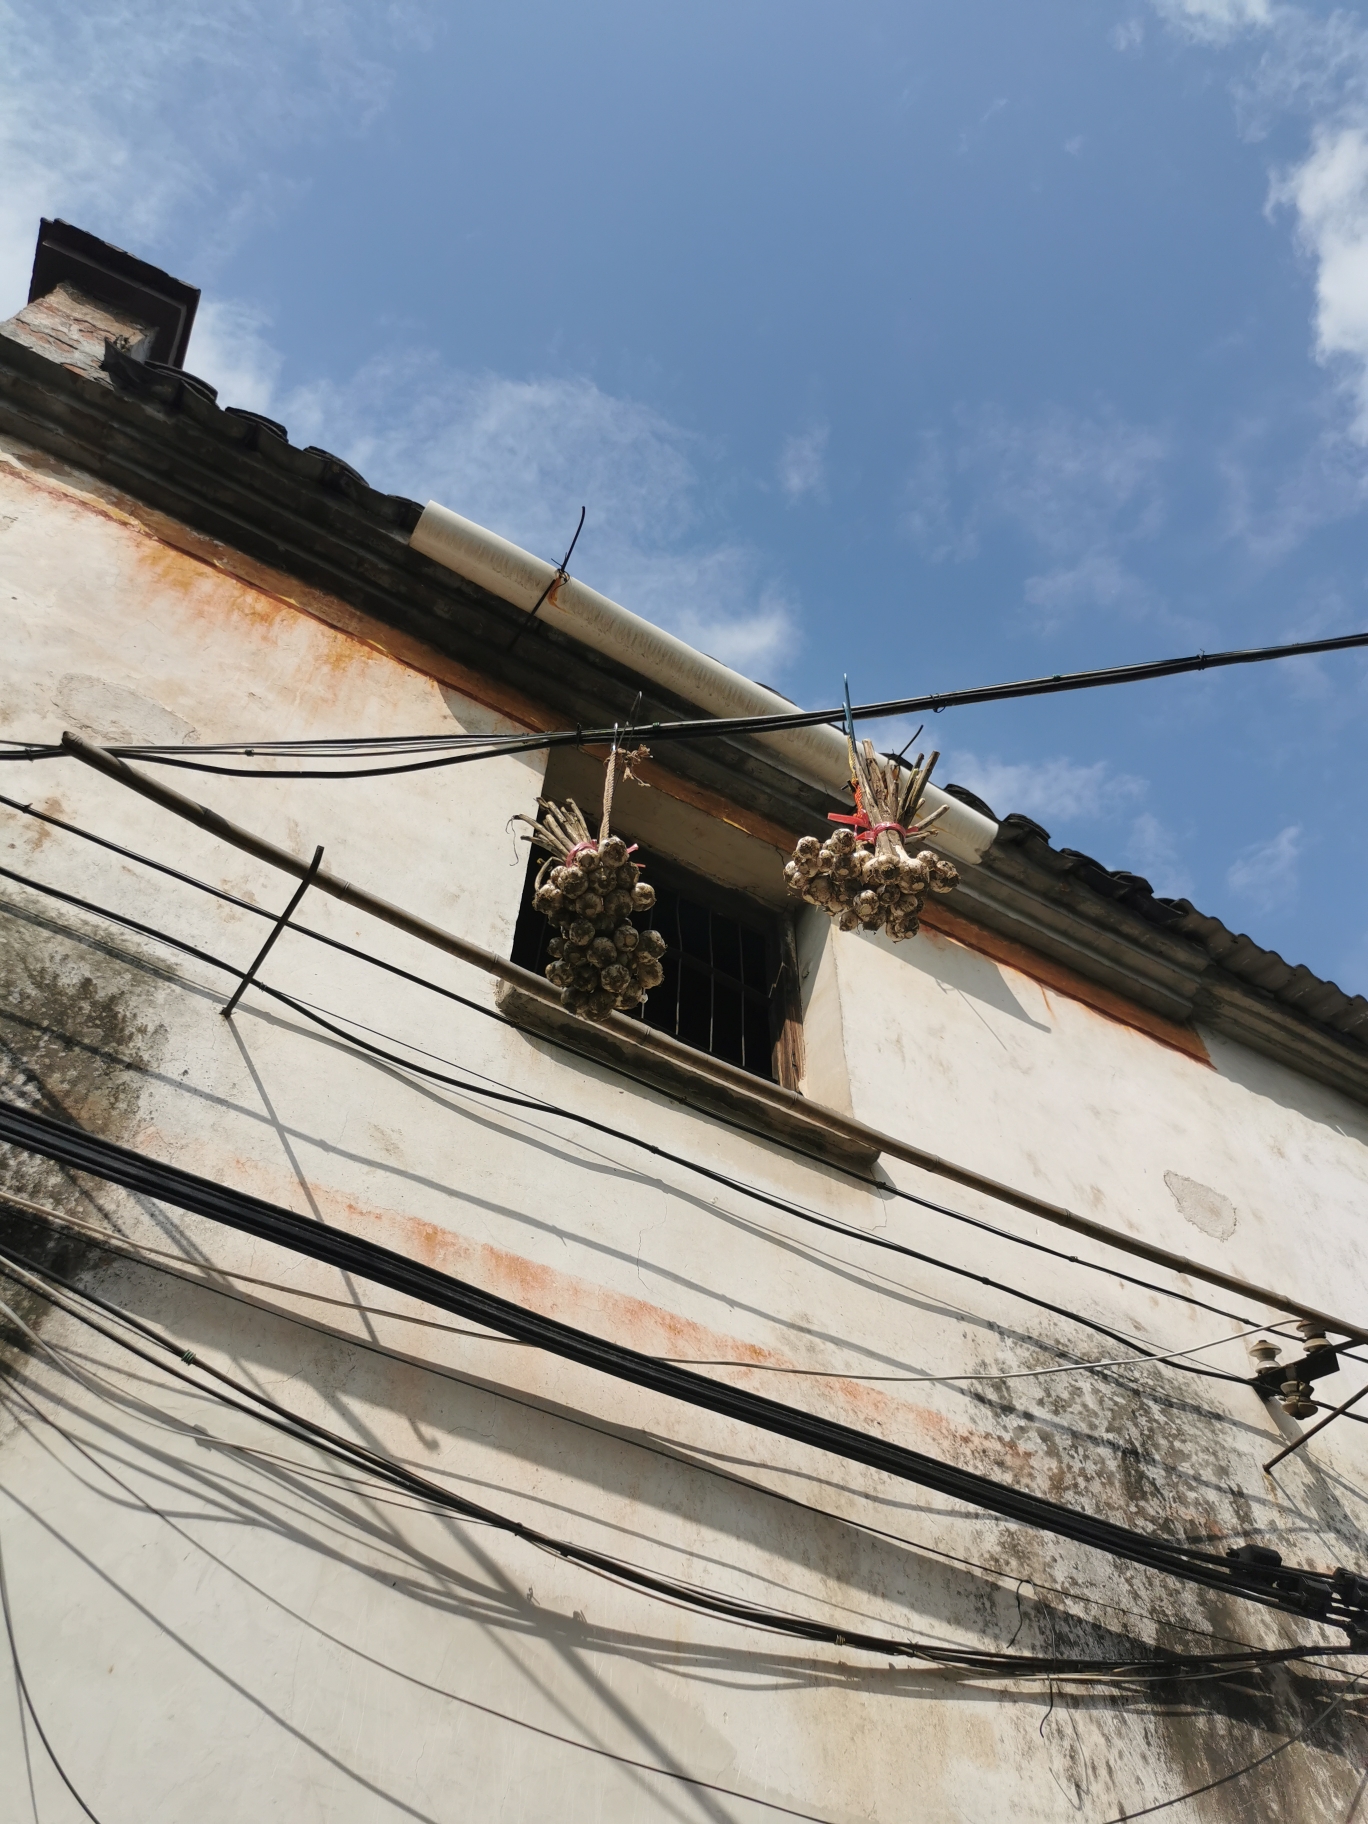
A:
x: 817, y: 755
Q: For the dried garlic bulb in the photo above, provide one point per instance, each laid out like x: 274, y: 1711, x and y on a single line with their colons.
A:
x: 864, y: 876
x: 589, y: 888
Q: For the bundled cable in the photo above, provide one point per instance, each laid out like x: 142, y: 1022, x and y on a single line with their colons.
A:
x: 490, y: 1089
x: 452, y: 750
x: 862, y: 875
x: 1254, y: 1573
x: 236, y: 1395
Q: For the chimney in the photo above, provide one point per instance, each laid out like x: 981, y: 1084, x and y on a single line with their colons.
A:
x: 85, y: 292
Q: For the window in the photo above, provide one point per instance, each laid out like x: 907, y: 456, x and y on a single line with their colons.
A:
x: 730, y: 986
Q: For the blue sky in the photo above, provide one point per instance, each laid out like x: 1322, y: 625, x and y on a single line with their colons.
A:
x: 932, y: 343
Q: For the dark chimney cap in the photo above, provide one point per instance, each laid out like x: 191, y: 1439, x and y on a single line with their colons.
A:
x: 113, y: 277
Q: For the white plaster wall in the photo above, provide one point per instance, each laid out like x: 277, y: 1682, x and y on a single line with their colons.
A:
x: 220, y: 1633
x: 1049, y: 1095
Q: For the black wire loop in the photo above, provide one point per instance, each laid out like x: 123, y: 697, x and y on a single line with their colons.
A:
x: 562, y: 576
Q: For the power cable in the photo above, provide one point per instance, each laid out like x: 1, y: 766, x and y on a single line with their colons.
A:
x: 1340, y: 1600
x: 489, y: 1013
x: 511, y: 1099
x: 1226, y: 1779
x: 708, y: 728
x: 687, y: 1456
x: 501, y: 1092
x: 498, y: 1715
x: 786, y: 1206
x: 568, y: 1741
x: 154, y: 1261
x: 1352, y: 1812
x: 143, y: 1257
x: 294, y: 1424
x: 29, y: 1705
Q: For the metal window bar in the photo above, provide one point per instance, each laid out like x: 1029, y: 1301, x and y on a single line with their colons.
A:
x: 720, y: 970
x: 718, y: 977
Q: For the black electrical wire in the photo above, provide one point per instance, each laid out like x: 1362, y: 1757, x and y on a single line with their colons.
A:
x: 569, y: 1741
x: 293, y: 1424
x: 468, y: 1703
x: 706, y: 728
x: 24, y: 1692
x: 1177, y: 1359
x: 559, y: 575
x: 511, y: 1099
x: 678, y: 1456
x: 366, y: 956
x: 1214, y: 1669
x: 142, y: 1258
x: 681, y: 1456
x: 1239, y: 1773
x: 729, y: 1183
x: 1339, y: 1601
x: 311, y: 1011
x: 887, y: 1187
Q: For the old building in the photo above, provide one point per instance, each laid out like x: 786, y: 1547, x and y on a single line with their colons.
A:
x: 421, y: 1402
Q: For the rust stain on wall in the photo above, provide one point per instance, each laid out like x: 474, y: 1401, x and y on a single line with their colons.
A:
x: 632, y: 1322
x: 211, y: 558
x: 950, y: 925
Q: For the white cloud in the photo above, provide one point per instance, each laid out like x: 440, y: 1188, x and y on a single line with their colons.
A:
x: 145, y: 120
x: 802, y: 463
x: 1069, y: 478
x: 1311, y: 64
x: 1063, y: 794
x: 1329, y: 193
x: 1272, y: 502
x: 1152, y: 850
x: 522, y: 457
x: 128, y: 116
x: 1058, y: 789
x: 1097, y: 580
x: 940, y: 528
x: 1080, y: 490
x: 970, y: 134
x: 1216, y: 21
x: 1129, y: 35
x: 229, y: 348
x: 1315, y: 66
x: 1266, y: 874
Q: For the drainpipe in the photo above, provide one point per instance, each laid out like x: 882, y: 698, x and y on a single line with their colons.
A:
x: 817, y: 755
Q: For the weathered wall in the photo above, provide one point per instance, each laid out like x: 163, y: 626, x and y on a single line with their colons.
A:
x: 215, y: 1624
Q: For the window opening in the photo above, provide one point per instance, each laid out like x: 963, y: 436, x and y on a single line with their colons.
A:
x: 724, y: 990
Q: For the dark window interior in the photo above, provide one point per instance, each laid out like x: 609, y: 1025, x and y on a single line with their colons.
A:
x: 722, y: 964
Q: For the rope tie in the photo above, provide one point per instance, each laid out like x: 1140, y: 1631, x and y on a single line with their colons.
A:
x: 865, y: 831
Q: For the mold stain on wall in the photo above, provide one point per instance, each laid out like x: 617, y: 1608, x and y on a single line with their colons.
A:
x: 82, y: 1025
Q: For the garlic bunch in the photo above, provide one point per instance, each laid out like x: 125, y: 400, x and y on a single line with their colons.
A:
x: 874, y: 884
x: 599, y: 960
x: 862, y: 889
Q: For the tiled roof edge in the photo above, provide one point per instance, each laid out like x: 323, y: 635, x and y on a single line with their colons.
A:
x: 1169, y: 955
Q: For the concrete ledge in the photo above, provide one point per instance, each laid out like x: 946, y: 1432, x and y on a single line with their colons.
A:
x: 693, y: 1080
